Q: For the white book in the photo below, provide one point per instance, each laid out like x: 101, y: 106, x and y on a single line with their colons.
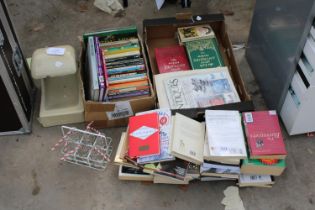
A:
x: 92, y: 70
x: 255, y: 179
x: 187, y: 139
x: 193, y: 89
x: 165, y: 125
x: 220, y: 170
x: 224, y: 160
x: 225, y: 134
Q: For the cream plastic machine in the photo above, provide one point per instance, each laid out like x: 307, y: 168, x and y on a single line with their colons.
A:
x: 61, y: 88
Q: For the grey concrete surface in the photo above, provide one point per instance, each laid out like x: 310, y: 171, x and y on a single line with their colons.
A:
x: 32, y: 177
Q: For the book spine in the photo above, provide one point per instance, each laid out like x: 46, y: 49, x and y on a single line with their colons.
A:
x: 125, y: 69
x: 124, y: 90
x: 128, y: 95
x: 93, y: 70
x: 124, y: 58
x: 100, y: 69
x: 128, y: 80
x: 125, y: 54
x: 128, y: 76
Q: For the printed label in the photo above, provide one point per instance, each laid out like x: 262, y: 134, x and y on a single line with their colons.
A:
x: 249, y: 117
x: 55, y: 51
x: 122, y: 110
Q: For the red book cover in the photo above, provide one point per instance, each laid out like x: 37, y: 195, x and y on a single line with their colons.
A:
x: 144, y: 137
x: 263, y: 133
x: 171, y: 59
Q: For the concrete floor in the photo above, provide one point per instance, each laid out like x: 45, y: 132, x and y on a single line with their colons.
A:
x: 32, y: 177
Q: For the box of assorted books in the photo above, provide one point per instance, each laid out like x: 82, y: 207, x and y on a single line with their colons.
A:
x: 115, y: 77
x: 193, y: 65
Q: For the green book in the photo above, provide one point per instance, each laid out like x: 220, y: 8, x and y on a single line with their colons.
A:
x: 257, y: 162
x: 255, y: 166
x: 123, y: 31
x: 204, y: 53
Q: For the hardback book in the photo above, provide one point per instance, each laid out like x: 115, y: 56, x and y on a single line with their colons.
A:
x: 208, y: 88
x: 100, y: 70
x: 94, y: 88
x: 264, y: 135
x: 204, y: 54
x: 143, y: 134
x: 165, y: 126
x: 263, y: 167
x: 187, y: 139
x: 247, y: 180
x: 223, y: 144
x: 171, y: 59
x: 219, y: 170
x: 176, y: 169
x: 190, y: 33
x: 133, y: 174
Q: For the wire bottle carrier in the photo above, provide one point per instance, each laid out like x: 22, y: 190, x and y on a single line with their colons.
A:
x: 88, y: 147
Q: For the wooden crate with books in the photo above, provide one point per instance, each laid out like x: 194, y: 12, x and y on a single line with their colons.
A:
x: 115, y: 76
x: 193, y: 65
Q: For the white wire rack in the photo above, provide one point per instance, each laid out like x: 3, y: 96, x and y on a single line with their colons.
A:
x: 88, y: 147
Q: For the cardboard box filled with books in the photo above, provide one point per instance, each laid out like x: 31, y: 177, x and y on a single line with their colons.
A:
x: 115, y: 77
x: 193, y: 65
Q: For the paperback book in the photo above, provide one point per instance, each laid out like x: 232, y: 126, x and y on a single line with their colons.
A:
x: 264, y: 135
x: 165, y: 127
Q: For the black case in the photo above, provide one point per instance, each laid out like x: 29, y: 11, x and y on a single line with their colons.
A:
x: 16, y: 88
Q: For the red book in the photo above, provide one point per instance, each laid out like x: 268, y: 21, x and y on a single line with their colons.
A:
x: 144, y: 137
x: 171, y: 59
x: 264, y: 135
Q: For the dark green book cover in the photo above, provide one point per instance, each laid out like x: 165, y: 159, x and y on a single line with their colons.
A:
x: 204, y: 53
x: 257, y: 162
x: 123, y: 31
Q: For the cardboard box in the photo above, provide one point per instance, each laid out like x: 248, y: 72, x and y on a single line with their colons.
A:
x: 162, y: 33
x: 114, y: 114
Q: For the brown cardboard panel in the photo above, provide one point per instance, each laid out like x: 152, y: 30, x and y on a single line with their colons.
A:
x: 162, y: 32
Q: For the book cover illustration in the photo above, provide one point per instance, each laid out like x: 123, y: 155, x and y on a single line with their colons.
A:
x: 144, y: 138
x: 202, y: 90
x: 175, y: 169
x: 195, y: 32
x: 171, y: 59
x: 165, y: 137
x: 204, y: 54
x: 209, y: 168
x: 264, y: 134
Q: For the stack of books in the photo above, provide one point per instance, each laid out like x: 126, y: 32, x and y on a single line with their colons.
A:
x: 116, y: 67
x: 224, y: 146
x: 175, y: 149
x: 197, y: 48
x: 266, y: 147
x: 201, y: 45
